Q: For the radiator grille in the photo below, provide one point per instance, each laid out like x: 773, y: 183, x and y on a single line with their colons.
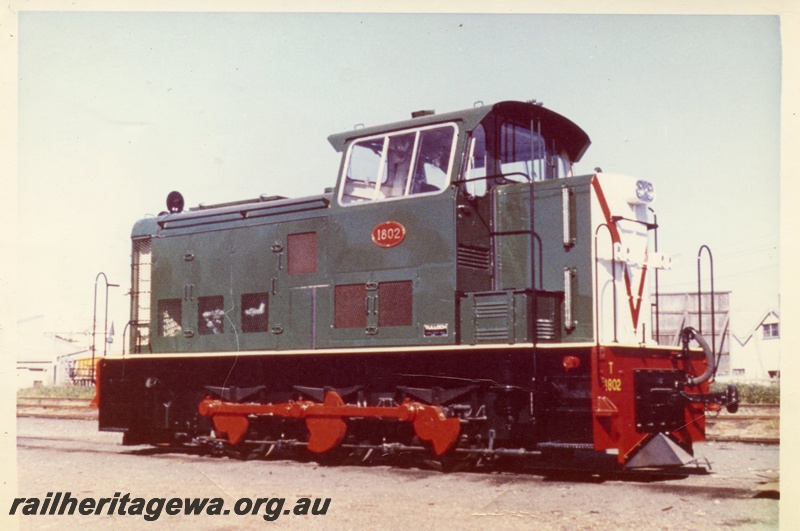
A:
x: 489, y: 309
x: 491, y: 334
x: 473, y: 257
x: 492, y: 319
x: 396, y: 303
x: 302, y: 253
x: 350, y: 306
x: 546, y: 330
x: 548, y: 315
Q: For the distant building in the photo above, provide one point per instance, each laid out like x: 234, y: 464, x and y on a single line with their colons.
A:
x: 46, y: 367
x: 757, y: 354
x: 676, y: 311
x: 34, y: 374
x: 44, y: 358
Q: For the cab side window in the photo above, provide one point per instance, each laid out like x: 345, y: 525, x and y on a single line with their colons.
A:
x: 363, y: 168
x: 475, y: 169
x: 432, y: 161
x: 522, y: 153
x: 397, y: 165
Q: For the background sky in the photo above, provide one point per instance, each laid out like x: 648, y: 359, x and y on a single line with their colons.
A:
x: 115, y: 110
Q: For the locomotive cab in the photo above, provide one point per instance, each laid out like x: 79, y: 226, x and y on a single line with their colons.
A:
x: 448, y: 199
x: 490, y: 146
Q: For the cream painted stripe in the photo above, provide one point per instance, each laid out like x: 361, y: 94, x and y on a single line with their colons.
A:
x: 379, y: 350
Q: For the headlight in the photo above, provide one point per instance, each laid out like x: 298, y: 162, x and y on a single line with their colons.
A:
x: 644, y: 191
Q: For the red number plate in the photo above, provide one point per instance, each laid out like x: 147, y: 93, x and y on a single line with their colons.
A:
x: 388, y: 234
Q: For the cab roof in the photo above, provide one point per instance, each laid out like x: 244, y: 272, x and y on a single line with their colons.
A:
x: 568, y: 135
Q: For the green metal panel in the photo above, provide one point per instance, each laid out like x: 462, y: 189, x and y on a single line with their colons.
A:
x: 252, y: 269
x: 299, y: 312
x: 293, y: 292
x: 494, y: 317
x: 169, y: 276
x: 511, y: 230
x: 474, y: 251
x: 425, y: 258
x: 549, y: 224
x: 512, y: 244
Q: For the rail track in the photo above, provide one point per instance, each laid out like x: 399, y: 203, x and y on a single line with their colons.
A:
x: 60, y: 408
x: 753, y: 423
x: 698, y: 479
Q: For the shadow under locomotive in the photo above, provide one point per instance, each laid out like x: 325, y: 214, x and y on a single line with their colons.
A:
x: 572, y: 467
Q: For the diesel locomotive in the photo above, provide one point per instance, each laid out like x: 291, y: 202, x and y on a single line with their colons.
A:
x: 458, y: 292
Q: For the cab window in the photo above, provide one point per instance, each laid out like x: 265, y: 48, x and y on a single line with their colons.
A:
x: 475, y: 168
x: 525, y: 156
x: 521, y: 151
x: 397, y: 165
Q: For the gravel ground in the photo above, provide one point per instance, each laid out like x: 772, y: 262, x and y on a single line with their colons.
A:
x: 64, y: 455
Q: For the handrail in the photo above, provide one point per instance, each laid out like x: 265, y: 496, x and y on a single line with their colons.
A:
x: 700, y: 299
x: 597, y: 282
x: 655, y: 249
x: 124, y: 332
x: 538, y: 239
x: 94, y: 319
x: 493, y: 176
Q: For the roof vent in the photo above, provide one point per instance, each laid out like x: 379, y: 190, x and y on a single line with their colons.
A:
x: 420, y: 114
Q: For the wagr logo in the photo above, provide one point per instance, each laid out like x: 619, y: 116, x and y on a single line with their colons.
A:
x: 388, y: 234
x: 634, y: 301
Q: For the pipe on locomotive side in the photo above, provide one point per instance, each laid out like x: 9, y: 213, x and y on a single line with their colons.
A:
x: 690, y: 333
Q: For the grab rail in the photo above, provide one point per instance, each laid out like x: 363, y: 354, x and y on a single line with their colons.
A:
x: 597, y: 283
x: 700, y: 297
